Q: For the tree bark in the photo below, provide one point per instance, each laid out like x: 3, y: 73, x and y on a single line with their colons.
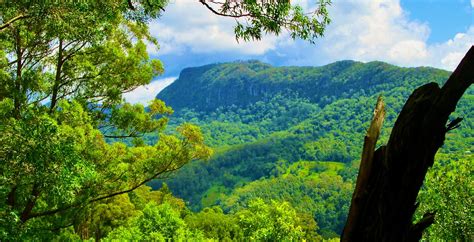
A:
x: 384, y: 200
x: 57, y: 78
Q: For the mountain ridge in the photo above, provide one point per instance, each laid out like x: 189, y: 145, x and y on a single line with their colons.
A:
x: 205, y: 88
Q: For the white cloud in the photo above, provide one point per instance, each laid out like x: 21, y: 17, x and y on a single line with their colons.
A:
x: 374, y: 30
x: 363, y: 30
x: 188, y: 25
x: 408, y: 50
x: 448, y: 54
x: 368, y: 30
x: 472, y: 3
x: 144, y: 94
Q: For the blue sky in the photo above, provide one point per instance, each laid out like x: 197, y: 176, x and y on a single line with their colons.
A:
x: 407, y: 33
x: 445, y: 18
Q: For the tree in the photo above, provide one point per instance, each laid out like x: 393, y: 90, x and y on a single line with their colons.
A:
x: 270, y: 222
x: 215, y: 224
x: 61, y: 95
x: 63, y: 69
x: 155, y: 223
x: 448, y: 191
x: 384, y: 200
x: 272, y: 17
x: 102, y: 217
x: 60, y: 98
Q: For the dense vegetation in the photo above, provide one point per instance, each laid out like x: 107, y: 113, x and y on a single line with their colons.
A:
x: 63, y: 70
x: 277, y: 137
x: 75, y: 156
x: 73, y: 160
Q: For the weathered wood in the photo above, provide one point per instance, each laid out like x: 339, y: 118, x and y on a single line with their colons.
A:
x: 370, y: 141
x: 384, y: 201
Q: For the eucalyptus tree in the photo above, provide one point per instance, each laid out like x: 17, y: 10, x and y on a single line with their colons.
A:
x: 64, y: 66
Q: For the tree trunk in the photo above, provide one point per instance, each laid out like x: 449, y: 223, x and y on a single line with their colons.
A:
x: 389, y: 179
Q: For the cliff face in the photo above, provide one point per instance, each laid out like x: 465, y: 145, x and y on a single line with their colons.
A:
x: 208, y: 87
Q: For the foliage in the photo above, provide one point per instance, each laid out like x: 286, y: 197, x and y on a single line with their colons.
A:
x: 215, y: 224
x: 75, y: 157
x: 155, y: 222
x: 257, y: 221
x: 270, y: 222
x: 448, y: 191
x: 61, y: 97
x: 272, y: 17
x: 291, y: 133
x: 65, y: 125
x: 324, y: 197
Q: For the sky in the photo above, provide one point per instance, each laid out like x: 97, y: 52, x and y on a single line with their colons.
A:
x: 407, y: 33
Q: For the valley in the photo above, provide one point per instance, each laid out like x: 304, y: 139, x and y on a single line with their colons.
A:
x: 291, y: 133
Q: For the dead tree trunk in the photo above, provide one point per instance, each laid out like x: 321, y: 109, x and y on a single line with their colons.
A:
x: 389, y: 179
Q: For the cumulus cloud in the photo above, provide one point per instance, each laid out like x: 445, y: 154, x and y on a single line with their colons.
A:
x: 448, y: 54
x: 363, y: 30
x: 374, y: 29
x: 189, y: 26
x: 144, y: 94
x: 381, y: 30
x: 368, y: 30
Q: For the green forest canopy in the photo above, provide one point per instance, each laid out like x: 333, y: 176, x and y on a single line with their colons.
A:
x: 300, y: 145
x: 75, y: 157
x: 64, y: 68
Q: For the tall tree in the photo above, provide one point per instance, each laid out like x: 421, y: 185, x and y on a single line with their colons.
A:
x: 63, y: 69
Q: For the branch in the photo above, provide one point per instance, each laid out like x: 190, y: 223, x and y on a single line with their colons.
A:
x: 223, y: 14
x: 366, y: 164
x: 162, y: 171
x: 73, y: 52
x: 121, y: 136
x: 81, y: 79
x: 416, y: 230
x: 456, y: 123
x: 461, y: 79
x: 35, y: 192
x: 11, y: 198
x: 11, y: 21
x: 130, y: 5
x: 57, y: 78
x: 62, y: 209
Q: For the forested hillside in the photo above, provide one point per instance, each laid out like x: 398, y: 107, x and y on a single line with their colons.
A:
x: 212, y: 86
x: 239, y: 151
x: 293, y: 134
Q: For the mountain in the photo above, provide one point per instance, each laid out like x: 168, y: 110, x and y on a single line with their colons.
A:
x: 208, y: 87
x: 292, y: 134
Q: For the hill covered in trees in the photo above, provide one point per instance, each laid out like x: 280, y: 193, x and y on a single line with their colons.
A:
x: 209, y: 87
x: 279, y: 152
x: 295, y: 134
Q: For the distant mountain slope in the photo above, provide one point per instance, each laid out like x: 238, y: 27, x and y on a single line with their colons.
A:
x: 292, y: 133
x: 208, y: 87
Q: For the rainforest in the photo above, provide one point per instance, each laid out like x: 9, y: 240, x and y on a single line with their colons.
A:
x: 156, y: 120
